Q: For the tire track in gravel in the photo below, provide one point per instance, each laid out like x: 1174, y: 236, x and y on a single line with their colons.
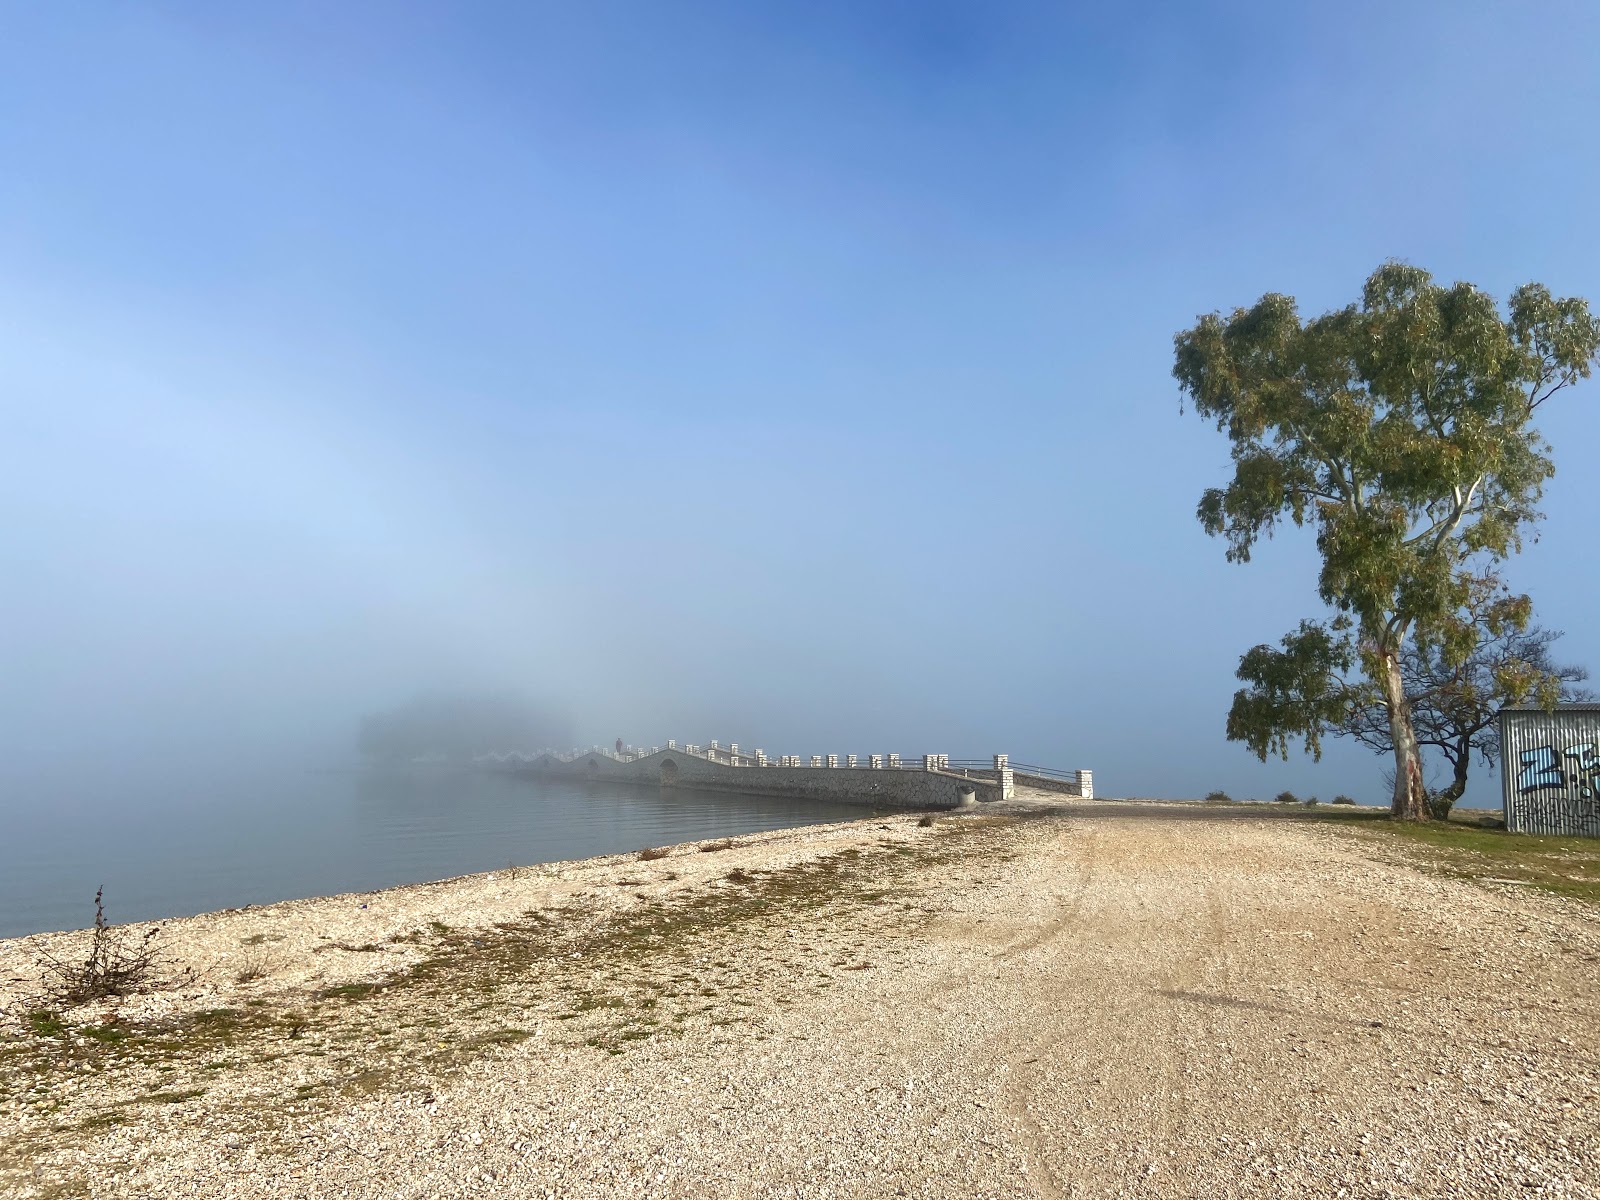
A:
x: 1022, y: 1064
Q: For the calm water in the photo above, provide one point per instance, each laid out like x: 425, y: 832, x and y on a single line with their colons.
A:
x: 165, y: 851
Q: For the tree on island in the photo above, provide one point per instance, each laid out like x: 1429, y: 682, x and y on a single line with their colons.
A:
x: 1453, y: 704
x: 457, y: 726
x: 1402, y: 427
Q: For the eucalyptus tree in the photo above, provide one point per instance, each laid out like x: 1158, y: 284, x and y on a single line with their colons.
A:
x: 1453, y: 702
x: 1401, y: 428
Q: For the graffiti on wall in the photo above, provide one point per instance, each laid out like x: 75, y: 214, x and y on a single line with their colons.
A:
x: 1577, y: 767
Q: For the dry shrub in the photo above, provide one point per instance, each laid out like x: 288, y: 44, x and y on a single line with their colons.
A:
x: 724, y: 844
x: 925, y: 821
x: 118, y: 963
x: 654, y: 852
x: 253, y: 963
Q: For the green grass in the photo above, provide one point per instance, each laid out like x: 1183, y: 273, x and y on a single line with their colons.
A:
x: 46, y: 1024
x: 1567, y: 866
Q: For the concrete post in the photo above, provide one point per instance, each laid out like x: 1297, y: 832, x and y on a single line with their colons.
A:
x: 833, y: 760
x: 1002, y: 768
x: 930, y: 762
x: 850, y: 760
x: 1086, y: 784
x: 672, y: 743
x: 877, y: 762
x: 894, y: 762
x: 816, y: 760
x: 733, y: 753
x: 944, y: 762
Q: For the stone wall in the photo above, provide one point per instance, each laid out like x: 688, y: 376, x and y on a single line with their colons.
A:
x: 864, y: 785
x: 1043, y: 783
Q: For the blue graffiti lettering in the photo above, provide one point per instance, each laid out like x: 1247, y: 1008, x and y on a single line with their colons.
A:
x: 1585, y: 771
x: 1540, y: 770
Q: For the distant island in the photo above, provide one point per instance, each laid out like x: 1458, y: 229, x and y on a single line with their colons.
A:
x: 458, y: 726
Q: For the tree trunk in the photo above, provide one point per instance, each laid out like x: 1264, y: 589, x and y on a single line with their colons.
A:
x: 1410, y: 797
x: 1440, y: 804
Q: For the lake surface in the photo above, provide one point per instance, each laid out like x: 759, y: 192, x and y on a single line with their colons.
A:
x: 165, y: 850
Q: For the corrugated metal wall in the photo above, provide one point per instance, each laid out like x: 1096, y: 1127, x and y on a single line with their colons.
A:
x: 1550, y: 770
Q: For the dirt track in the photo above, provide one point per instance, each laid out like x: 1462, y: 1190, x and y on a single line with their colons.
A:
x: 1106, y: 1003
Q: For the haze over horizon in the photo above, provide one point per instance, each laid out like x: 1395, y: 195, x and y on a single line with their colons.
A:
x: 796, y: 375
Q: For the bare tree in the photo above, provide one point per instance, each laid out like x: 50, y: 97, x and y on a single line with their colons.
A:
x: 1453, y: 706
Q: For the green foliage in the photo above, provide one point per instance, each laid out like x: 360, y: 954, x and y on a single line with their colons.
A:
x: 1218, y: 797
x: 1401, y: 429
x: 1343, y: 800
x: 1286, y: 798
x: 1298, y: 691
x: 45, y: 1023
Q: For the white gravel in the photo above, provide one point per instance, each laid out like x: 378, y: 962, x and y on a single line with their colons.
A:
x: 1103, y: 1003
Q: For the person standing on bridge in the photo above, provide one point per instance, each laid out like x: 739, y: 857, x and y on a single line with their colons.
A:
x: 619, y: 747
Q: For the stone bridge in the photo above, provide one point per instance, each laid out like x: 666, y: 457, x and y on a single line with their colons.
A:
x: 875, y: 780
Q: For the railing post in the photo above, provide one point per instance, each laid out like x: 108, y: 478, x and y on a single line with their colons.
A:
x: 1086, y: 784
x: 833, y: 760
x: 930, y: 762
x: 850, y: 760
x: 1002, y: 768
x: 894, y: 762
x: 816, y: 760
x: 877, y: 762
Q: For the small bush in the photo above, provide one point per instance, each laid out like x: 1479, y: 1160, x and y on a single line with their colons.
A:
x: 925, y: 821
x: 253, y: 963
x: 118, y: 963
x: 654, y: 852
x: 1286, y: 798
x: 1343, y: 800
x: 1312, y: 802
x: 724, y: 844
x: 1218, y: 797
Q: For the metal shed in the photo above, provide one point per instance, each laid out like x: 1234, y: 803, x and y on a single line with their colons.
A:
x: 1550, y: 768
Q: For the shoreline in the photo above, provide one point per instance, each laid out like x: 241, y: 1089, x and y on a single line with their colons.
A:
x: 1027, y: 803
x: 1037, y: 999
x: 305, y: 941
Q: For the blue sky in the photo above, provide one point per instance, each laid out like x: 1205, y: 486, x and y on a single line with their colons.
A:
x: 797, y: 374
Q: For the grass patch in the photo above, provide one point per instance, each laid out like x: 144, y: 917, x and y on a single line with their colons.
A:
x: 173, y: 1097
x: 348, y: 991
x: 502, y: 1037
x: 1566, y: 866
x: 46, y: 1024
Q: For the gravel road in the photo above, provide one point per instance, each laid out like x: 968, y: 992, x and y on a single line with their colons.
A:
x: 1096, y: 1002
